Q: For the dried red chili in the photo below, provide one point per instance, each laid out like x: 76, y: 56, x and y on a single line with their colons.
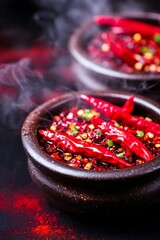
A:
x: 120, y: 50
x: 107, y: 108
x: 67, y: 143
x: 128, y: 25
x: 115, y: 113
x: 119, y: 135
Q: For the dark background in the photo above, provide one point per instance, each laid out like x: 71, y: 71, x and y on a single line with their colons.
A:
x: 24, y: 213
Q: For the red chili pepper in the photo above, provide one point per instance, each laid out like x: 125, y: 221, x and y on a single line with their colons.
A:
x: 129, y: 105
x: 120, y: 50
x: 107, y: 108
x: 119, y: 135
x: 127, y: 24
x: 114, y: 112
x: 65, y: 142
x: 139, y: 123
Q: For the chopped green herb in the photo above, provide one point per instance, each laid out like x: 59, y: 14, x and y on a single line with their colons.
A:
x: 110, y: 143
x: 74, y: 129
x: 117, y: 124
x: 87, y: 114
x: 145, y: 49
x: 140, y: 134
x: 120, y: 155
x: 157, y: 38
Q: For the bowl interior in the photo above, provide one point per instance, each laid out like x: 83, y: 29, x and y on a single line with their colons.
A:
x: 42, y: 117
x: 83, y: 35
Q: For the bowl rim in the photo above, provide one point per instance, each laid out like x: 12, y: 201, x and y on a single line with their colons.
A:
x: 81, y: 57
x: 35, y: 151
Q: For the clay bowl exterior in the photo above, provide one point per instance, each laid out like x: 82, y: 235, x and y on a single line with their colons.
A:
x: 94, y: 76
x: 84, y: 192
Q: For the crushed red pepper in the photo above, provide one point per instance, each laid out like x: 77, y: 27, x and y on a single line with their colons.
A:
x: 32, y: 217
x: 127, y: 44
x: 76, y: 139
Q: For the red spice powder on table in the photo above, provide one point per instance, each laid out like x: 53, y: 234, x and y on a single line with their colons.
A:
x: 29, y: 215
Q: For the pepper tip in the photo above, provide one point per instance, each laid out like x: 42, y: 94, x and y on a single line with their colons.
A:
x: 83, y: 96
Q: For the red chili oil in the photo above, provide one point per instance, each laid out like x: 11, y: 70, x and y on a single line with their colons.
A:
x: 77, y: 123
x: 130, y: 52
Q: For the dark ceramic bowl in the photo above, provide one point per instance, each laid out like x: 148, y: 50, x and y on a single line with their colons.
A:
x: 95, y: 76
x: 84, y: 192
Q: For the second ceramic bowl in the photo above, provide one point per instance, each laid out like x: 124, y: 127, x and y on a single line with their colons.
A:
x: 95, y: 76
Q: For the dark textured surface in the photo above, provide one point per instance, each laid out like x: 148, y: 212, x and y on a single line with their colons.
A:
x: 24, y: 211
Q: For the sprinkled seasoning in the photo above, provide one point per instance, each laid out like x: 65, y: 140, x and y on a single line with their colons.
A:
x: 96, y: 144
x: 32, y: 217
x: 130, y: 45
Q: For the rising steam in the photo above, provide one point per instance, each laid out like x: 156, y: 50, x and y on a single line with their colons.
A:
x: 22, y: 86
